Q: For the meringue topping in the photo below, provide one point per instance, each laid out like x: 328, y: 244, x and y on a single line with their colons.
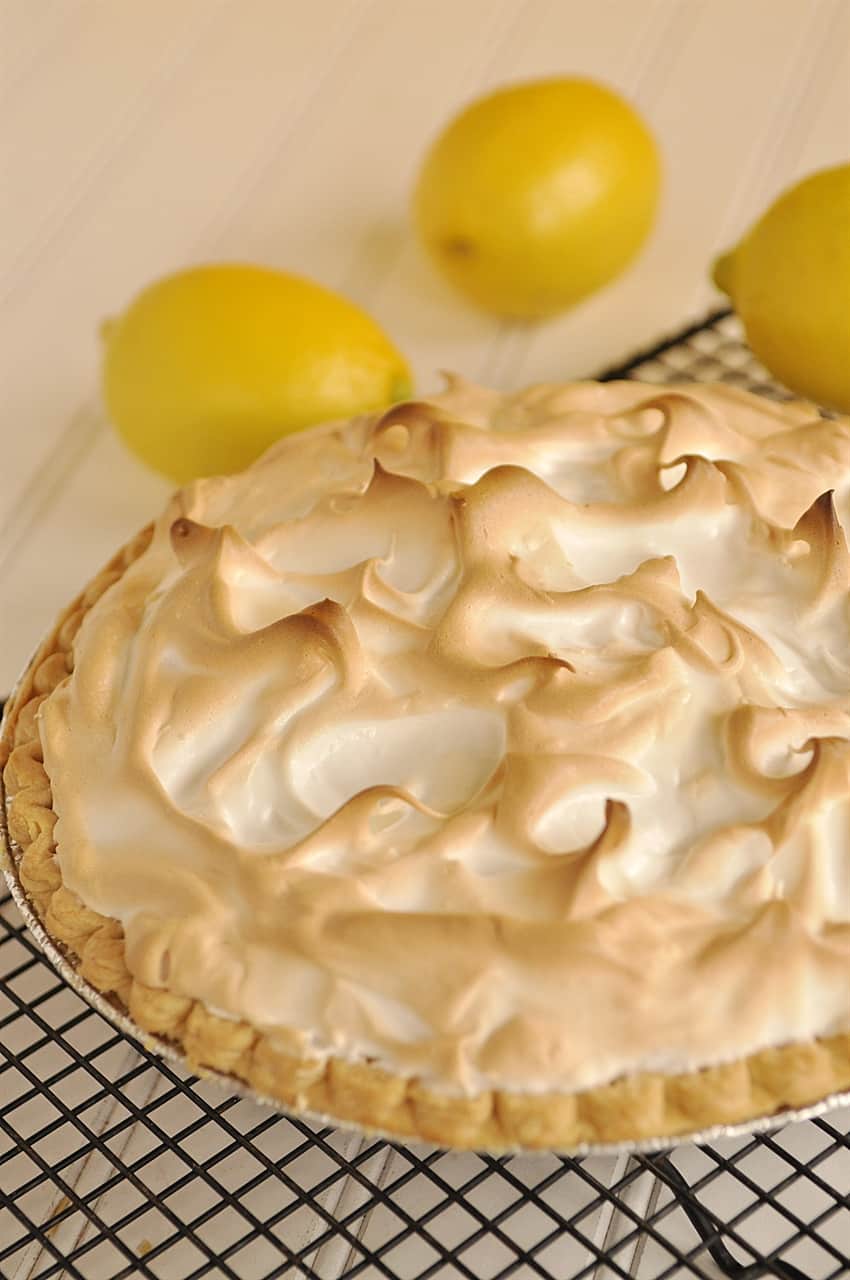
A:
x: 502, y: 740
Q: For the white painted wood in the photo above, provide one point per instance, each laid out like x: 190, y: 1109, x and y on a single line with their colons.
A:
x: 142, y: 136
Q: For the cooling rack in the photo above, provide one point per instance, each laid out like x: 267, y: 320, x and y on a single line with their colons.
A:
x: 116, y: 1164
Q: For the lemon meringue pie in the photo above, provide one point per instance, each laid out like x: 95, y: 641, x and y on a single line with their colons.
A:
x: 479, y: 771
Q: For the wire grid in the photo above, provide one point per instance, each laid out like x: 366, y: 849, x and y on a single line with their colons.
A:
x: 116, y: 1164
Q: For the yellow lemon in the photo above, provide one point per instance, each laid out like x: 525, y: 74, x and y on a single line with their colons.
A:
x: 538, y: 194
x: 207, y: 368
x: 789, y: 281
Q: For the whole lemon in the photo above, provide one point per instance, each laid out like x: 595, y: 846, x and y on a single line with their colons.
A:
x: 538, y: 194
x: 207, y: 368
x: 789, y: 280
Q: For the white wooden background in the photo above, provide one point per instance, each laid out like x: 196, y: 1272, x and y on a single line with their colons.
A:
x: 137, y: 136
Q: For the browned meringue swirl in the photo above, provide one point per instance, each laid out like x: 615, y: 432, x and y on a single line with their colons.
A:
x: 503, y: 740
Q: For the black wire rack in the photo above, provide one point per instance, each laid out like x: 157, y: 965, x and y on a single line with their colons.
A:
x: 115, y: 1164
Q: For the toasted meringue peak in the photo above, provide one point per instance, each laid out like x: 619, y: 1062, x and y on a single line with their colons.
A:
x: 503, y: 740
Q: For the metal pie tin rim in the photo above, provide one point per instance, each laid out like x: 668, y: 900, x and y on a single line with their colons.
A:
x: 235, y: 1087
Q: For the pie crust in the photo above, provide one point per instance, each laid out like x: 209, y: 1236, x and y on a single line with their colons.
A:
x: 635, y: 1107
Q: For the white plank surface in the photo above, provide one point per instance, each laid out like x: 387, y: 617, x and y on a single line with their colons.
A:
x: 141, y: 136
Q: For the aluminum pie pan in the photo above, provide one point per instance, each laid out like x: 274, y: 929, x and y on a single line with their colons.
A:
x: 59, y: 958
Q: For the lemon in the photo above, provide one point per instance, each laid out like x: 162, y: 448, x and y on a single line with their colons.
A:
x: 207, y: 368
x: 538, y: 194
x: 789, y: 280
